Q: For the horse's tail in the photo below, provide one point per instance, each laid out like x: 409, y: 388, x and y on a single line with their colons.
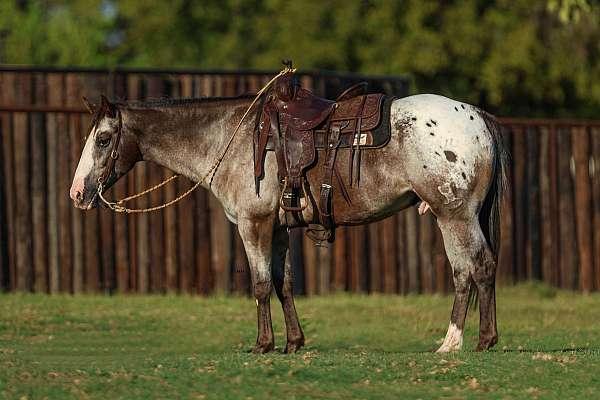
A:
x: 489, y: 216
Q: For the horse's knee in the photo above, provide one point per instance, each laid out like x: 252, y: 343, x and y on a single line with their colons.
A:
x: 262, y: 290
x: 484, y: 267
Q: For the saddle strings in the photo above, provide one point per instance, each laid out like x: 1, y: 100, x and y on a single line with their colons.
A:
x: 117, y: 206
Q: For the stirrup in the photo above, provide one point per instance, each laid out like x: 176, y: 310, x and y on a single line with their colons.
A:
x: 291, y: 208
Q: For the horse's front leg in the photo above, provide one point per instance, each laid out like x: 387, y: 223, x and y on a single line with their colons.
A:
x: 284, y: 282
x: 257, y: 236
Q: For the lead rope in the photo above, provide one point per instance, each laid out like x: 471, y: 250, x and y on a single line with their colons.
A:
x: 117, y: 206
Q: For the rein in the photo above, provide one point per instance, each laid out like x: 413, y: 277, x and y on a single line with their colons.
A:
x: 118, y: 206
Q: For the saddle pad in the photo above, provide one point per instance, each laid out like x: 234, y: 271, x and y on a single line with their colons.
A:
x: 375, y: 137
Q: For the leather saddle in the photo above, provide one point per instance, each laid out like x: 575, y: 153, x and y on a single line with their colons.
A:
x: 301, y: 127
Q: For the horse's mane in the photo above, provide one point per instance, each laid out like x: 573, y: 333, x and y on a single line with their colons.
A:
x: 179, y: 102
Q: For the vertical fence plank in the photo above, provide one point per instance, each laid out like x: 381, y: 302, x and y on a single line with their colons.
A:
x: 204, y: 282
x: 533, y: 211
x: 412, y: 250
x: 545, y: 208
x: 580, y: 140
x: 520, y: 208
x: 553, y: 204
x: 568, y: 245
x: 38, y: 188
x: 4, y: 269
x: 22, y: 172
x: 64, y: 206
x: 324, y: 271
x: 595, y: 138
x: 54, y: 98
x: 7, y: 95
x: 358, y: 259
x: 426, y: 253
x: 339, y: 259
x: 311, y: 266
x: 402, y: 258
x: 374, y: 253
x: 388, y: 241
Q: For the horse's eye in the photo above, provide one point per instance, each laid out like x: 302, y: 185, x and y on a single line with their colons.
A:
x: 103, y: 142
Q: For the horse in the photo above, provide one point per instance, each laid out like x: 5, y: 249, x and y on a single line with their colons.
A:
x: 443, y: 155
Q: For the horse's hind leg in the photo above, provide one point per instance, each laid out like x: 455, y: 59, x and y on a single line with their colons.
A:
x: 257, y: 237
x: 283, y: 282
x: 471, y: 260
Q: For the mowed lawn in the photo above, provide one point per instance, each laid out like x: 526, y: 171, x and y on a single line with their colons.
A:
x: 171, y: 347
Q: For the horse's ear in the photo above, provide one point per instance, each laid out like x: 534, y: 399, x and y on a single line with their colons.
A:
x: 108, y: 107
x: 90, y: 107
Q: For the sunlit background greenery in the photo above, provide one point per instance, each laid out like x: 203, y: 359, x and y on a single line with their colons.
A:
x: 513, y: 57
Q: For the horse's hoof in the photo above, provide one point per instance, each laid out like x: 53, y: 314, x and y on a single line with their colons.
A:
x: 263, y: 348
x: 448, y: 349
x: 486, y: 344
x: 293, y: 346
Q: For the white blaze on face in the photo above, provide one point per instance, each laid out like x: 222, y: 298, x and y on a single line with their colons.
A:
x: 85, y: 166
x: 453, y: 340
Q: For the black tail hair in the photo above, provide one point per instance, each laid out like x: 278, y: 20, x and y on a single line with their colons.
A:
x: 490, y: 213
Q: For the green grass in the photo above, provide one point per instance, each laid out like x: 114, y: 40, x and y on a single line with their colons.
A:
x: 132, y: 347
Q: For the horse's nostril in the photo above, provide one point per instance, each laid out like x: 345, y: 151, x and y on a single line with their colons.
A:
x: 79, y: 195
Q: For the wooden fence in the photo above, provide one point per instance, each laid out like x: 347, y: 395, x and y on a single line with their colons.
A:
x: 550, y: 224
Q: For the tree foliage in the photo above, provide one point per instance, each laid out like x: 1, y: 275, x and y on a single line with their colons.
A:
x: 518, y: 57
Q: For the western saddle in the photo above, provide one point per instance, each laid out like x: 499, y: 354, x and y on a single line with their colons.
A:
x: 301, y: 127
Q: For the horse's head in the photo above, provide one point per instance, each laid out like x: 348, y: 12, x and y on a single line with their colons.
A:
x: 109, y: 152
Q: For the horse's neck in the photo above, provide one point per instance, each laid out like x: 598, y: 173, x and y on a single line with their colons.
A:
x: 186, y: 140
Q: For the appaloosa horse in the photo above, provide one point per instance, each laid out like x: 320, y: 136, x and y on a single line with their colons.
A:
x: 443, y: 153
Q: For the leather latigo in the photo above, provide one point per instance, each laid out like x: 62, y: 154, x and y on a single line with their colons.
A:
x: 301, y: 128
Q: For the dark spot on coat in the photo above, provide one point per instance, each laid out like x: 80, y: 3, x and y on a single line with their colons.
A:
x: 438, y: 154
x: 471, y: 117
x: 455, y: 108
x: 463, y: 106
x: 433, y: 122
x: 477, y: 137
x: 414, y: 118
x: 450, y: 156
x: 428, y: 124
x: 424, y: 166
x: 464, y: 163
x: 464, y: 176
x: 432, y: 134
